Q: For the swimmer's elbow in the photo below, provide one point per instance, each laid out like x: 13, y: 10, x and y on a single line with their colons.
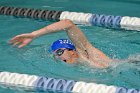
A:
x: 69, y: 23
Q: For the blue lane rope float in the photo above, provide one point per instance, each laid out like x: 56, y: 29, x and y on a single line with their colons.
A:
x: 108, y: 21
x: 42, y: 84
x: 45, y: 83
x: 125, y: 90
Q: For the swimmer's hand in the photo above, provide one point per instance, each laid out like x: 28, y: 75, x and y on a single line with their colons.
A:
x: 22, y: 40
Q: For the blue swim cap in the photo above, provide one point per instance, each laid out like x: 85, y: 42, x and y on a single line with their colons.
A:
x: 62, y: 43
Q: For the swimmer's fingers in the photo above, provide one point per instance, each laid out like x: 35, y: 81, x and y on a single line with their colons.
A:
x: 24, y: 43
x: 17, y: 38
x: 21, y: 40
x: 16, y: 43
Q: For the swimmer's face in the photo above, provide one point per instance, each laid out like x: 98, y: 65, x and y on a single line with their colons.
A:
x: 66, y: 55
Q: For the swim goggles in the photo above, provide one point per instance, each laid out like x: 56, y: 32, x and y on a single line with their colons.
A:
x: 60, y: 51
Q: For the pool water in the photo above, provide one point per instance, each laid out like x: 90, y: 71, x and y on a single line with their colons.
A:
x: 120, y: 45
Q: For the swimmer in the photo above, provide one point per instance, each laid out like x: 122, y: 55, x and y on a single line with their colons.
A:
x: 69, y: 51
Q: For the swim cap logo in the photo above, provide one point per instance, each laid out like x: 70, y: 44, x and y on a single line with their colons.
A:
x: 65, y: 42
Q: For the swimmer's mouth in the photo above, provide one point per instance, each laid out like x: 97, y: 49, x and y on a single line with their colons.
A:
x: 65, y: 61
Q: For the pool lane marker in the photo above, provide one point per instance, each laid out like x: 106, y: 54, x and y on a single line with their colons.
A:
x: 107, y: 21
x: 42, y: 84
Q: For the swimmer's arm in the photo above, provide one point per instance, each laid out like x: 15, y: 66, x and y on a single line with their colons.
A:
x: 72, y: 30
x: 74, y: 33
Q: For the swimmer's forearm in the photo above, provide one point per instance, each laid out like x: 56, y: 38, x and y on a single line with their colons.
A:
x: 58, y: 26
